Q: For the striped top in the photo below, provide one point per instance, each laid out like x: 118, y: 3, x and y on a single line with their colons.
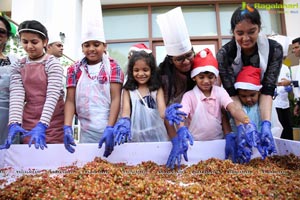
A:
x: 54, y: 73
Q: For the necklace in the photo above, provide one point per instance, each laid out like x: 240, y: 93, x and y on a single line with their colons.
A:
x: 33, y: 59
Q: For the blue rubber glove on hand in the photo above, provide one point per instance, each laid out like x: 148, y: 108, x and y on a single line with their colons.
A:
x: 179, y: 147
x: 175, y: 154
x: 122, y: 130
x: 108, y: 139
x: 275, y: 94
x: 231, y: 147
x: 288, y: 88
x: 13, y: 129
x: 38, y: 135
x: 244, y: 149
x: 185, y: 136
x: 251, y: 134
x: 68, y: 138
x: 267, y: 144
x: 173, y: 115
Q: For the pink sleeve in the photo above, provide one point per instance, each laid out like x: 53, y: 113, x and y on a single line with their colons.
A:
x: 187, y: 102
x: 225, y: 98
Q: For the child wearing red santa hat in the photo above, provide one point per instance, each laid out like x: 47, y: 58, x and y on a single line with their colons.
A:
x: 248, y: 87
x: 203, y: 105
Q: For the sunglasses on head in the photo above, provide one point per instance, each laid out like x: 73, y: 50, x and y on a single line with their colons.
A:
x: 3, y: 31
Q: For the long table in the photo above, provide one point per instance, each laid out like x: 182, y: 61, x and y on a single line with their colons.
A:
x: 55, y: 156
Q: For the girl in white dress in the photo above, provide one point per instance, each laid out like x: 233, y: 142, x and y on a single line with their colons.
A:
x: 143, y: 102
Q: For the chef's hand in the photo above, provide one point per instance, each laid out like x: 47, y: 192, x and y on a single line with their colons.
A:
x: 108, y: 139
x: 68, y: 139
x: 13, y: 129
x: 38, y: 135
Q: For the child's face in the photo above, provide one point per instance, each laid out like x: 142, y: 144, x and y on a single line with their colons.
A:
x: 141, y: 72
x: 33, y: 44
x: 205, y: 81
x: 248, y: 97
x: 93, y: 51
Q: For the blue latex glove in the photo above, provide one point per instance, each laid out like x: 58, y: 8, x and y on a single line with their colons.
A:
x: 38, y: 135
x: 68, y: 138
x: 275, y: 94
x: 288, y: 88
x: 185, y: 136
x: 251, y: 134
x: 122, y: 130
x: 108, y: 139
x: 173, y: 115
x: 262, y: 148
x: 179, y: 147
x: 231, y: 147
x: 13, y: 129
x: 267, y: 144
x: 175, y: 154
x: 244, y: 149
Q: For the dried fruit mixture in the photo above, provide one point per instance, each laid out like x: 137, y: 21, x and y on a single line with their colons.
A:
x: 276, y: 177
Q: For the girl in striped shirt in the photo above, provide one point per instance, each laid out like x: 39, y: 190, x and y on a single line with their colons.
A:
x: 36, y: 91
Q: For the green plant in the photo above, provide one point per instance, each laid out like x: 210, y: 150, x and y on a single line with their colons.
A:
x: 13, y: 46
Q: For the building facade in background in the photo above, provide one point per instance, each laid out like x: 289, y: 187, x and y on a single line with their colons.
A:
x: 129, y: 22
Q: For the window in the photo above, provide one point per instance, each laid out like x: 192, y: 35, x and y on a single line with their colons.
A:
x: 124, y: 27
x: 125, y: 23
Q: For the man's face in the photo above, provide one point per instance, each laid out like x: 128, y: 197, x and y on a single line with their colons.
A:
x: 296, y: 49
x: 55, y: 49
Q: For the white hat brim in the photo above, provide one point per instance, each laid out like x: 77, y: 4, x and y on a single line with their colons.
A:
x: 247, y: 86
x: 208, y: 68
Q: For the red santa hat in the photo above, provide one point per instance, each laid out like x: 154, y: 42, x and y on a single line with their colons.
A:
x: 140, y: 47
x: 205, y: 61
x: 248, y: 79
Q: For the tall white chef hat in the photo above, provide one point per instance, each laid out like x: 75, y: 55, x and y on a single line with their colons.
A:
x: 174, y: 32
x: 54, y: 37
x: 92, y: 22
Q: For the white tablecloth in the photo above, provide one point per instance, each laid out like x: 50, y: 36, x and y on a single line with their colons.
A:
x: 23, y: 157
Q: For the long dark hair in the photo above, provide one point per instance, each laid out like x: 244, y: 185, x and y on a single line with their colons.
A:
x: 167, y: 68
x: 154, y: 82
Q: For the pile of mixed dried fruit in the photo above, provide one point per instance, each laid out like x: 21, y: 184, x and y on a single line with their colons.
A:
x: 276, y: 177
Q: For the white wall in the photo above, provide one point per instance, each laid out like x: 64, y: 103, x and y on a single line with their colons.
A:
x: 5, y: 5
x: 292, y: 19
